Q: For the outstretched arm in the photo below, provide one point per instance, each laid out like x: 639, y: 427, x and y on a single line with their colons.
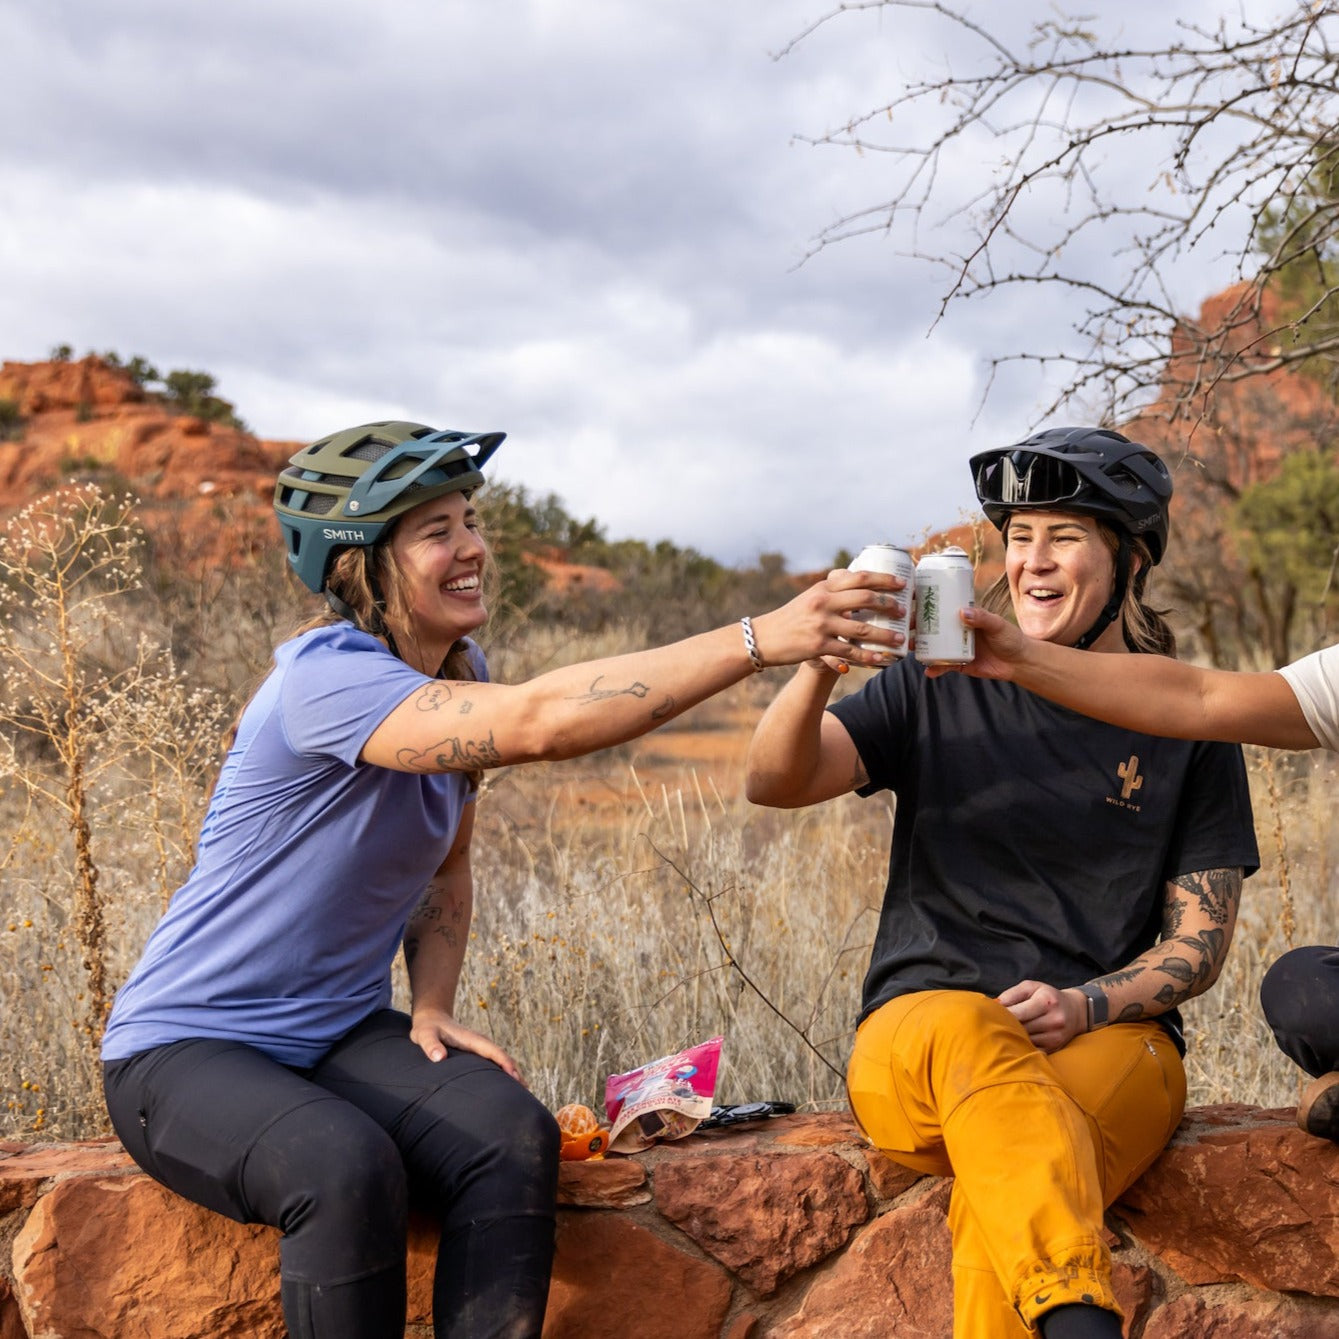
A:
x: 462, y: 726
x: 1198, y: 917
x: 1153, y: 694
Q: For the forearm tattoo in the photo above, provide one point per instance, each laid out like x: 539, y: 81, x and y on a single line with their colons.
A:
x: 637, y: 689
x: 597, y: 694
x: 1182, y: 966
x: 460, y: 754
x: 431, y: 918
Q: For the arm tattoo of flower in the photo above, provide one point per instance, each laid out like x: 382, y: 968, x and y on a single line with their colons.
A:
x: 636, y: 689
x: 451, y: 755
x: 1193, y: 970
x: 597, y: 694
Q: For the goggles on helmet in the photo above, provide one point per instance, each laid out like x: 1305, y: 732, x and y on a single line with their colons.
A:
x: 1027, y: 478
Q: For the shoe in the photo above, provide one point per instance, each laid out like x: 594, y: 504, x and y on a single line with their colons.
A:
x: 1318, y: 1108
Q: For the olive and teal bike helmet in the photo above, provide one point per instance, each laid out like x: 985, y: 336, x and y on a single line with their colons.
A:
x: 1093, y: 472
x: 349, y: 488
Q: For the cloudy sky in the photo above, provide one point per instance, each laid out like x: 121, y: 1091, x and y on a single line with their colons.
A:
x: 579, y: 221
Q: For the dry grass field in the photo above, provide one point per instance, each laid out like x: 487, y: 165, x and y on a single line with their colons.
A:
x: 645, y: 904
x: 627, y: 904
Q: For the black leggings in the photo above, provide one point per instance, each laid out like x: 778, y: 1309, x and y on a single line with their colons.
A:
x: 333, y: 1156
x: 1300, y: 998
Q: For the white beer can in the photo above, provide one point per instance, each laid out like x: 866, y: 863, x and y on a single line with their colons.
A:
x: 895, y: 562
x: 943, y: 590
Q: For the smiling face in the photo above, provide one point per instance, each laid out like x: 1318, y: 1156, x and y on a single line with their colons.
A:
x: 440, y: 554
x: 1060, y: 572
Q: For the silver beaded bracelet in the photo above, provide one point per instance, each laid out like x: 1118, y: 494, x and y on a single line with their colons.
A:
x: 751, y: 644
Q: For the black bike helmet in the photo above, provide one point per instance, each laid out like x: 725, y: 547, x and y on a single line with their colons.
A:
x: 1092, y: 471
x: 348, y: 488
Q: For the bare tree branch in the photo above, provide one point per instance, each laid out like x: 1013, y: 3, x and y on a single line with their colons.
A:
x: 1066, y: 159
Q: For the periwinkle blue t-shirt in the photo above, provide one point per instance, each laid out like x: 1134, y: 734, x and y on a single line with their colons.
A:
x: 309, y: 866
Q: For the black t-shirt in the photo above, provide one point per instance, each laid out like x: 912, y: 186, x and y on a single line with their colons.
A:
x: 1029, y: 842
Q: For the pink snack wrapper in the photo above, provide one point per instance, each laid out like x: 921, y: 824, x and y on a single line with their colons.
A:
x: 662, y: 1100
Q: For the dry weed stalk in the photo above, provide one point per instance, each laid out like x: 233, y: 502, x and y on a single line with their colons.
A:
x: 164, y: 742
x: 706, y: 901
x: 102, y: 735
x: 1287, y: 913
x: 606, y: 935
x: 65, y: 558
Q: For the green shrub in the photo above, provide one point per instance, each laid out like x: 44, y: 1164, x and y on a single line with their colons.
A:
x: 194, y: 393
x: 11, y: 421
x: 79, y: 464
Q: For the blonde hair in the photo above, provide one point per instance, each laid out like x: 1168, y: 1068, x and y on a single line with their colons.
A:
x: 370, y: 583
x: 1144, y: 628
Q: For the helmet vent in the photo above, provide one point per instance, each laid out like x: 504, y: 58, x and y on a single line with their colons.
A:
x: 371, y: 450
x: 293, y: 493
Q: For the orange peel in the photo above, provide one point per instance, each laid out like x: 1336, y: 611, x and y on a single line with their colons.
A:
x: 582, y: 1135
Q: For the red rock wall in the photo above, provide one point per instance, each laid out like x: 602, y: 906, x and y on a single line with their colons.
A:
x: 793, y: 1228
x: 205, y: 489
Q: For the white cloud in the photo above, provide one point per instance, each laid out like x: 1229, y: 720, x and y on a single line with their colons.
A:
x: 755, y: 441
x: 577, y: 223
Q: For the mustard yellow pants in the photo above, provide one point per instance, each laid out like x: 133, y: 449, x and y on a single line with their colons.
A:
x: 948, y: 1082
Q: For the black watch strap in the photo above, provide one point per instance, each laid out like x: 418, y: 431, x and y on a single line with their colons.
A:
x: 1097, y: 1007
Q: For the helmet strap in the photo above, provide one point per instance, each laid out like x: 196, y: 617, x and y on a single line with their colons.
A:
x: 378, y: 628
x: 339, y: 606
x: 1113, y: 605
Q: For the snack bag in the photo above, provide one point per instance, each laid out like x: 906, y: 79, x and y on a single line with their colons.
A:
x: 662, y: 1100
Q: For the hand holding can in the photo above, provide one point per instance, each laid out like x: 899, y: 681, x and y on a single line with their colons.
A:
x: 889, y: 559
x: 944, y: 588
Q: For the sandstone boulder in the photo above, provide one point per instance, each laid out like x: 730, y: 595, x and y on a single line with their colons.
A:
x: 788, y: 1229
